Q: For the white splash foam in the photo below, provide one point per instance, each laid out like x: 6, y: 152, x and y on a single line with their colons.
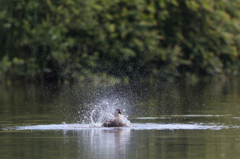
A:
x: 135, y: 126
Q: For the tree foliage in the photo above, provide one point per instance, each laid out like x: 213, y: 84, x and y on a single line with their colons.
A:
x: 71, y: 39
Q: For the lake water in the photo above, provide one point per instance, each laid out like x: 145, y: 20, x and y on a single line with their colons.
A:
x: 167, y: 120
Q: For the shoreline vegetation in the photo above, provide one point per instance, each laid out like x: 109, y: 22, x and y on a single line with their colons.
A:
x: 67, y: 41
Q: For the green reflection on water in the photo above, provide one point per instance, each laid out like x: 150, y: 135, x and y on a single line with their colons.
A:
x: 121, y: 144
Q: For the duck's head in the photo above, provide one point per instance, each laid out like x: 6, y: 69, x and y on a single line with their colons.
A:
x: 118, y: 112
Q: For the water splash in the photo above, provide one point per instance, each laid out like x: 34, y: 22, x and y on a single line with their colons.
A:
x: 125, y: 120
x: 103, y: 111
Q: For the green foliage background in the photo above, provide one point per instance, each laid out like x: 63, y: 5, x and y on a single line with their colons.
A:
x: 77, y: 39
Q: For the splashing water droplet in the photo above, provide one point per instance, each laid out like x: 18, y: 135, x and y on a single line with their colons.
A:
x: 103, y: 112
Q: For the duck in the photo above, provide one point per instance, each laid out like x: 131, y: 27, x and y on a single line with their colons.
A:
x: 117, y: 122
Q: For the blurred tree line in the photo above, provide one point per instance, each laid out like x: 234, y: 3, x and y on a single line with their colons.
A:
x: 67, y: 40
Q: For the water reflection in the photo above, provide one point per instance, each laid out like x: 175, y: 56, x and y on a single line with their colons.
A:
x: 102, y: 143
x: 47, y: 93
x: 112, y: 143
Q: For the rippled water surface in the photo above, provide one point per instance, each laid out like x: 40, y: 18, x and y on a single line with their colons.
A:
x: 166, y: 120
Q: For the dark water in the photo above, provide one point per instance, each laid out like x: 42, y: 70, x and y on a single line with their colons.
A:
x: 168, y: 120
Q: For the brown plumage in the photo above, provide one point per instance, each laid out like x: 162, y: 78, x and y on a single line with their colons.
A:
x: 117, y: 122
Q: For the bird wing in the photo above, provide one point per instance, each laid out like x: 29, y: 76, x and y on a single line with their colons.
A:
x: 109, y: 123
